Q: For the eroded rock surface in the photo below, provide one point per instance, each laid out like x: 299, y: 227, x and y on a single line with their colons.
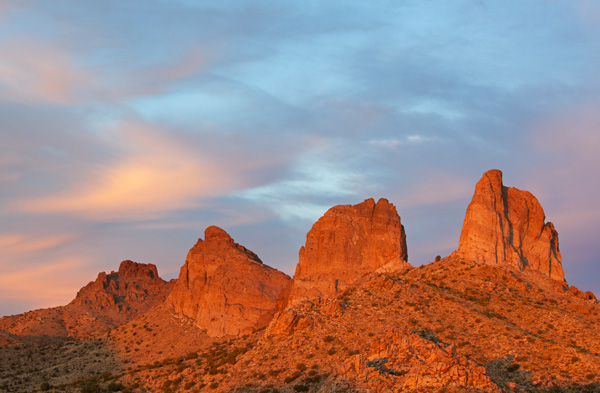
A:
x: 506, y: 227
x: 347, y: 243
x: 111, y: 300
x: 226, y: 288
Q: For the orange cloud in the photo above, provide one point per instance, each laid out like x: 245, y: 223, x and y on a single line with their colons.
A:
x: 154, y: 174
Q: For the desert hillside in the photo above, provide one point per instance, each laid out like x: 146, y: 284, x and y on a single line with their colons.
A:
x: 494, y: 316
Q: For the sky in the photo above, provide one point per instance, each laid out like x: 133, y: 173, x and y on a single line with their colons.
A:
x: 128, y: 127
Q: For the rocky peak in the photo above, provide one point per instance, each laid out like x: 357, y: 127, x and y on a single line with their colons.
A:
x: 346, y: 243
x: 216, y: 233
x: 133, y: 269
x: 225, y: 288
x: 506, y: 227
x: 133, y: 283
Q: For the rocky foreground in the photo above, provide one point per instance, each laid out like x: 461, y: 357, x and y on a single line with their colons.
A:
x: 495, y: 316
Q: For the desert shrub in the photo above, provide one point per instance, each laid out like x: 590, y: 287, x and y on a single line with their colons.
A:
x: 115, y: 387
x: 301, y: 388
x: 332, y: 351
x: 188, y: 385
x: 328, y: 339
x: 513, y: 367
x: 301, y: 366
x: 574, y: 359
x: 90, y: 387
x: 214, y: 385
x: 292, y: 377
x: 44, y: 387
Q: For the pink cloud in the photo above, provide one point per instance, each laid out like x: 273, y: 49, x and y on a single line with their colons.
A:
x: 154, y: 173
x: 567, y: 184
x: 437, y: 188
x: 51, y: 284
x: 19, y: 244
x: 32, y: 71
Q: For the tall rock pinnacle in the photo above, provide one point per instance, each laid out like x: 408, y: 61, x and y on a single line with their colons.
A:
x: 346, y: 243
x: 226, y: 288
x: 506, y: 227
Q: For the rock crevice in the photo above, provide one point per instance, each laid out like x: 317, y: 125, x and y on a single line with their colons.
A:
x: 506, y: 227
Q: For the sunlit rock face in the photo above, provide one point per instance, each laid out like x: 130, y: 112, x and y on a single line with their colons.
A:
x: 506, y: 227
x: 226, y: 288
x: 133, y: 286
x: 347, y: 243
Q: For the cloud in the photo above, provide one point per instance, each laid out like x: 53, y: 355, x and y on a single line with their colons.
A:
x: 20, y: 244
x: 33, y: 71
x: 153, y: 173
x: 50, y: 284
x: 435, y: 189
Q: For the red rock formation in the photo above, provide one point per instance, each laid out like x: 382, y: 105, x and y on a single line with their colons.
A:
x: 226, y: 288
x: 109, y: 301
x: 346, y: 243
x: 506, y: 227
x: 133, y: 269
x: 134, y: 284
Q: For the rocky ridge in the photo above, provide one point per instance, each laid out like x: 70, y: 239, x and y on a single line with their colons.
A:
x: 506, y: 227
x: 346, y: 243
x: 494, y: 316
x: 225, y: 288
x: 109, y: 301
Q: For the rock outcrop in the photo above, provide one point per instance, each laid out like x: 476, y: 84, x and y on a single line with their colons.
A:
x: 423, y: 364
x: 226, y: 288
x: 111, y: 300
x: 347, y: 243
x: 134, y: 286
x: 506, y: 227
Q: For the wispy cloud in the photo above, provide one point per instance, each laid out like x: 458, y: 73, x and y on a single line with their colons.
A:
x: 153, y: 173
x: 14, y: 245
x: 33, y: 71
x: 51, y: 284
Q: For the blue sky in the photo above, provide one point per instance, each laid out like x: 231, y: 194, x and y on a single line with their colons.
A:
x: 126, y: 128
